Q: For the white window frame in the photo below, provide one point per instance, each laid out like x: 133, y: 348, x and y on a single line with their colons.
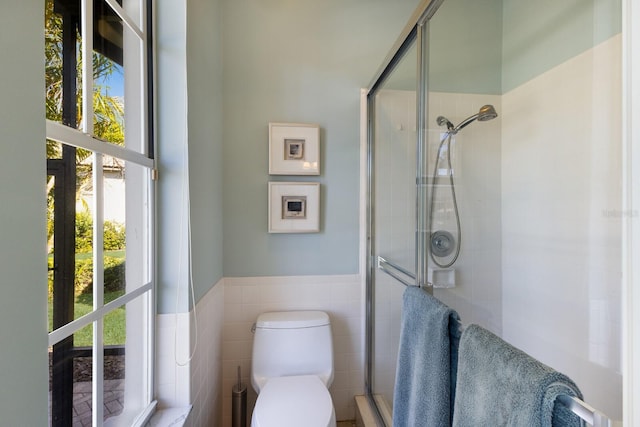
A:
x: 134, y: 17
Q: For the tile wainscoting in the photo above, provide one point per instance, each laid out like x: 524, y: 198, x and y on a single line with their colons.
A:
x: 225, y: 316
x: 193, y: 377
x: 340, y: 296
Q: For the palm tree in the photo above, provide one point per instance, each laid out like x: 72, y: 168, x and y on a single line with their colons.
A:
x: 108, y: 117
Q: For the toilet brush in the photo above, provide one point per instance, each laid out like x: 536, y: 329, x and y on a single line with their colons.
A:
x: 239, y: 404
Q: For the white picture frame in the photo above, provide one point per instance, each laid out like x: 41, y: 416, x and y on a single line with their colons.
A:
x: 294, y: 149
x: 294, y: 207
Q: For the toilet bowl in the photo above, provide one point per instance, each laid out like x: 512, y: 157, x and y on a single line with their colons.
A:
x: 291, y: 370
x: 294, y: 402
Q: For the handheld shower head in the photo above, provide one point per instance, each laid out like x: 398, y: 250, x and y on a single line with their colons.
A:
x: 487, y: 112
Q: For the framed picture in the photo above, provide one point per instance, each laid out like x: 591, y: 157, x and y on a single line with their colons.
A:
x: 294, y: 149
x: 294, y: 207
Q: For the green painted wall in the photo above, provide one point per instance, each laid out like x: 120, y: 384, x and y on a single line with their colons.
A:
x: 298, y: 61
x: 539, y: 35
x: 189, y: 109
x: 465, y: 39
x: 23, y: 331
x: 492, y: 46
x: 249, y: 63
x: 204, y: 73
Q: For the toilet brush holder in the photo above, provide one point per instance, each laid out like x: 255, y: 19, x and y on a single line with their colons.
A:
x: 239, y: 404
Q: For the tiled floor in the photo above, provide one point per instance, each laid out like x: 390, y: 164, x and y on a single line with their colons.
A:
x: 113, y: 401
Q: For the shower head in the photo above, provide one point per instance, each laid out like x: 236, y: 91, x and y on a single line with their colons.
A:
x: 486, y: 113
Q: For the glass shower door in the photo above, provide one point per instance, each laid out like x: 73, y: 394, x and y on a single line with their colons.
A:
x: 392, y: 218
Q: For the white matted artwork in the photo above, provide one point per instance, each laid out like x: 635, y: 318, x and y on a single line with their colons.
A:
x: 294, y: 207
x: 294, y: 149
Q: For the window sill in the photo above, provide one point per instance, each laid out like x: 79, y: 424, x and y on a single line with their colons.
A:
x: 174, y: 417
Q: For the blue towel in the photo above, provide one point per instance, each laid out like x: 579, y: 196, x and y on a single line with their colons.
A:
x: 427, y: 361
x: 500, y: 385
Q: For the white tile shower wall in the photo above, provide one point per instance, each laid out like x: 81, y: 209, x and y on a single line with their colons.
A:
x: 562, y: 210
x: 340, y: 296
x: 395, y: 171
x: 476, y: 164
x: 475, y: 159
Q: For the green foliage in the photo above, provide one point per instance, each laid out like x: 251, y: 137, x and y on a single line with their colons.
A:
x: 83, y: 276
x: 114, y: 322
x: 114, y: 279
x: 114, y: 274
x: 108, y: 111
x: 108, y: 121
x: 108, y: 114
x: 50, y: 276
x: 114, y: 234
x: 53, y: 68
x: 84, y: 232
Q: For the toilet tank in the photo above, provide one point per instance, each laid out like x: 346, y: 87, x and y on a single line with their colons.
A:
x: 292, y: 343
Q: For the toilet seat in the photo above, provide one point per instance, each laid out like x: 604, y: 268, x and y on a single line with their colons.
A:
x: 293, y: 402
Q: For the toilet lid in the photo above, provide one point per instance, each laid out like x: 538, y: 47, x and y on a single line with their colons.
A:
x: 293, y: 402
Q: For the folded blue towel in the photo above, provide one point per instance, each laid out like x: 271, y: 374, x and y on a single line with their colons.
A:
x: 427, y: 361
x: 500, y: 385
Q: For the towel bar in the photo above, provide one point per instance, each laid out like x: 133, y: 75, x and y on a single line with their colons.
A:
x: 590, y: 415
x: 584, y: 411
x: 393, y: 270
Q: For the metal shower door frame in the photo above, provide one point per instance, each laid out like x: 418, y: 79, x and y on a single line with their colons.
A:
x: 416, y: 31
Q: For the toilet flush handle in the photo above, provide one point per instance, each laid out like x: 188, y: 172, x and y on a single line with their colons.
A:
x: 253, y: 328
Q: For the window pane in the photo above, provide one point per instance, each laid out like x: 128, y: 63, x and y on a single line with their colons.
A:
x: 114, y: 363
x: 108, y: 75
x: 137, y: 218
x: 84, y: 268
x: 117, y: 100
x: 54, y: 149
x: 61, y: 63
x: 82, y: 384
x: 51, y: 184
x: 70, y: 278
x: 114, y: 231
x: 125, y: 373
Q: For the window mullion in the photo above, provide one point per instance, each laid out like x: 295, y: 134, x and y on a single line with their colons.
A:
x: 61, y: 333
x: 125, y: 18
x: 143, y: 93
x: 98, y: 217
x: 98, y: 289
x: 87, y: 66
x: 76, y: 138
x: 97, y: 383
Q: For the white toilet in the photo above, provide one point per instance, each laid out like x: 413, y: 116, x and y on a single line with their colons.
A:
x: 292, y: 369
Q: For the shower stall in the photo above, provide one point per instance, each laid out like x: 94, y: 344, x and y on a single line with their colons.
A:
x: 494, y: 178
